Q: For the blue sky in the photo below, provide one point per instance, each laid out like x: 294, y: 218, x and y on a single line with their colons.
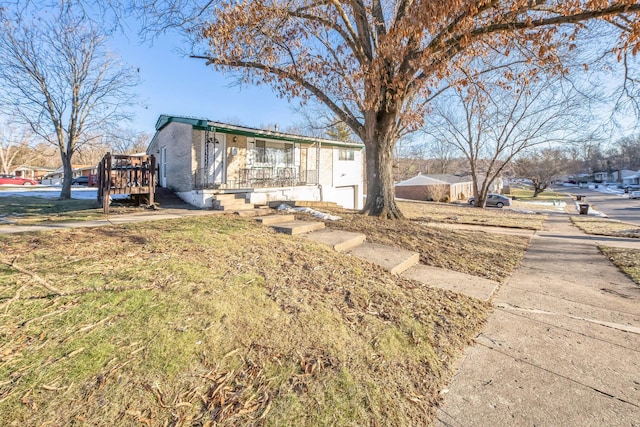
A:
x: 174, y: 84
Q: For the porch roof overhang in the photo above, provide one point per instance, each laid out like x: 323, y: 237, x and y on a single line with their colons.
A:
x: 212, y: 126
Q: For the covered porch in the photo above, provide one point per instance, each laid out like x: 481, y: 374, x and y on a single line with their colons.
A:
x: 258, y: 177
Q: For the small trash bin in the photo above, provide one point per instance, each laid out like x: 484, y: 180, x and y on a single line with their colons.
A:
x: 584, y: 209
x: 579, y: 197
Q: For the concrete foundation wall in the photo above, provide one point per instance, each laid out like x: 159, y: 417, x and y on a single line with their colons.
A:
x: 204, y: 198
x: 265, y: 195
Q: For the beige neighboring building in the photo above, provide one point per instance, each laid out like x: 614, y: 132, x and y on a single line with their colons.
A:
x: 32, y: 172
x: 199, y: 159
x: 437, y: 188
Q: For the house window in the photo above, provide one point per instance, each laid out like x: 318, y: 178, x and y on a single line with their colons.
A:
x: 260, y: 153
x: 346, y: 154
x: 273, y: 153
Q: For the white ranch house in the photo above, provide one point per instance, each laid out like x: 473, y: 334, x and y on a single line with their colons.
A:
x: 200, y: 160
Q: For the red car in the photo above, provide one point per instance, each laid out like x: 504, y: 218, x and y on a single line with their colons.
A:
x: 15, y: 180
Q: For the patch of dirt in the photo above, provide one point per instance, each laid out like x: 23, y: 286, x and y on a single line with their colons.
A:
x: 606, y: 227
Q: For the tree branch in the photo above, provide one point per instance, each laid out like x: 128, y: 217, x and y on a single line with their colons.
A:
x: 313, y: 89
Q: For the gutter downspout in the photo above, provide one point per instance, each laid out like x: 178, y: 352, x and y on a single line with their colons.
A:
x: 318, y: 151
x: 204, y: 178
x: 215, y: 157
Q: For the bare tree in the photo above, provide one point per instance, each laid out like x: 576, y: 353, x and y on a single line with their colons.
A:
x: 492, y: 123
x: 443, y: 155
x: 59, y: 77
x: 128, y: 141
x: 542, y: 167
x: 15, y: 147
x: 624, y: 153
x: 316, y: 121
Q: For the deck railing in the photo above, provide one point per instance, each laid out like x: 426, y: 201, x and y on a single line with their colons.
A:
x: 120, y: 174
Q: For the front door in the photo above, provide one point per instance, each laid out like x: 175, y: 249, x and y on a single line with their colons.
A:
x: 217, y: 150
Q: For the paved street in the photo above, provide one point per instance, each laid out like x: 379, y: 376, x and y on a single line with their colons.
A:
x: 615, y: 206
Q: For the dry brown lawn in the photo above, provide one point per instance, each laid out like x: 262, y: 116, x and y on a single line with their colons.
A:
x: 218, y: 321
x: 605, y: 227
x: 465, y: 214
x: 479, y: 253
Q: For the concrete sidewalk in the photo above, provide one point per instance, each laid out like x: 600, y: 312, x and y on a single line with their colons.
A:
x: 562, y: 347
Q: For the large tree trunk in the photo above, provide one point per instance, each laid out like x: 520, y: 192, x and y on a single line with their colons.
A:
x: 65, y: 193
x: 479, y: 193
x: 379, y: 153
x: 538, y: 188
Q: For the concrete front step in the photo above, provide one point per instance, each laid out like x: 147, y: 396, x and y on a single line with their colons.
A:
x: 392, y: 259
x: 231, y: 202
x: 233, y: 207
x: 298, y: 227
x: 339, y: 241
x: 275, y: 219
x: 230, y: 196
x: 259, y: 211
x: 476, y: 287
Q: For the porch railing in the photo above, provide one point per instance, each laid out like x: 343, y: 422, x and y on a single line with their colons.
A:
x: 258, y: 177
x: 120, y: 174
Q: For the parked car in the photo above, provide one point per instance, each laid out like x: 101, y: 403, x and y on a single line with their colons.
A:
x: 80, y: 180
x: 16, y: 180
x: 494, y: 200
x: 634, y: 194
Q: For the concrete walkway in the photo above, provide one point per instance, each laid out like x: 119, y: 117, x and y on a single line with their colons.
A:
x: 562, y: 347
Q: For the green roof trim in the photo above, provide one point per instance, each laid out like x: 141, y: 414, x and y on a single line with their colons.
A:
x: 203, y: 124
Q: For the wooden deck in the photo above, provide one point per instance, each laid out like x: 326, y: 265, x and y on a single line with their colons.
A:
x: 120, y: 174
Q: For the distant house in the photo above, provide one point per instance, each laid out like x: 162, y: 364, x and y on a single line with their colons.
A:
x: 202, y: 160
x: 439, y: 188
x: 613, y: 176
x: 32, y: 172
x: 601, y: 176
x: 55, y: 177
x: 632, y: 179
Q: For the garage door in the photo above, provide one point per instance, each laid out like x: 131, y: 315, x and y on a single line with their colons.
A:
x: 345, y: 197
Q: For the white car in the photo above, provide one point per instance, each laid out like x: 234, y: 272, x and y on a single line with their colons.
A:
x: 634, y: 194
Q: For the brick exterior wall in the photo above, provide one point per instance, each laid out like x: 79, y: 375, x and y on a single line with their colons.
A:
x: 177, y: 138
x: 438, y: 193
